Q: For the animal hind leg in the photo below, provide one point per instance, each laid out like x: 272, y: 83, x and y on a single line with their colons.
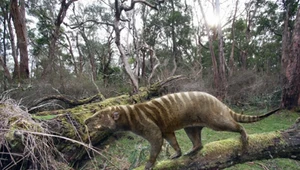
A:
x: 171, y: 138
x: 194, y: 133
x: 233, y: 126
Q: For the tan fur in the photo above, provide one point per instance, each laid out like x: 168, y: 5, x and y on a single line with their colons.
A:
x: 157, y: 119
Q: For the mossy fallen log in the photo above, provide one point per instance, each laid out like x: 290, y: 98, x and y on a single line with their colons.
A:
x: 225, y: 153
x: 70, y: 122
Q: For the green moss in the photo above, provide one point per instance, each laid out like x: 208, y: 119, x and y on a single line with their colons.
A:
x: 46, y: 117
x: 278, y: 163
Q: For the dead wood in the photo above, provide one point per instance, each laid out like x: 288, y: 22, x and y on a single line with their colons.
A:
x: 68, y: 101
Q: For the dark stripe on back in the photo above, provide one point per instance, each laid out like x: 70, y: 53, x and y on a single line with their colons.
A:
x: 178, y: 101
x: 162, y: 110
x: 152, y: 110
x: 142, y: 107
x: 168, y: 108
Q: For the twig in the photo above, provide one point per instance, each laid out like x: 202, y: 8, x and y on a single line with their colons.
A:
x: 62, y: 137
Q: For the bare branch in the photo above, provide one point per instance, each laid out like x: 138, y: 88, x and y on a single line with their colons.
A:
x: 133, y: 2
x: 74, y: 26
x: 156, y: 65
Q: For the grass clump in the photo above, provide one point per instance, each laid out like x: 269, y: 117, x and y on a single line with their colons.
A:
x: 20, y: 147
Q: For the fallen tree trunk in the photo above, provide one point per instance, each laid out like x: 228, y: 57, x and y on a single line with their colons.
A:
x: 66, y: 100
x: 225, y: 153
x: 33, y: 141
x: 70, y: 122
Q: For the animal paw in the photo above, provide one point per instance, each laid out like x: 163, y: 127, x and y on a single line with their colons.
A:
x: 176, y: 155
x: 193, y: 151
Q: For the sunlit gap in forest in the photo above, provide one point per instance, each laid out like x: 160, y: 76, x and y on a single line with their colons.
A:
x: 212, y: 19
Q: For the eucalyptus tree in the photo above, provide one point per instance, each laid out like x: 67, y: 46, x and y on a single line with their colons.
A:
x: 291, y: 90
x: 4, y: 47
x: 19, y: 19
x: 118, y: 19
x: 289, y: 11
x: 170, y: 32
x: 50, y: 15
x: 93, y: 29
x: 15, y: 32
x: 215, y: 36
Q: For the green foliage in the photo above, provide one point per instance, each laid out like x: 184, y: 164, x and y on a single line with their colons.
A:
x: 168, y: 28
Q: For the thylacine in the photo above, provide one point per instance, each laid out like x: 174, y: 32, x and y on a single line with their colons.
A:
x: 157, y: 119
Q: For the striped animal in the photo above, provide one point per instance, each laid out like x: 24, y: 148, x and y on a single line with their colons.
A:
x: 157, y: 119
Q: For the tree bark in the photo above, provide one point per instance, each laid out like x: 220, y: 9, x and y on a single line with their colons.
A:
x: 250, y: 15
x: 18, y: 15
x: 16, y: 72
x: 285, y: 40
x: 106, y: 60
x: 72, y: 53
x: 225, y: 153
x: 174, y: 42
x: 6, y: 71
x: 291, y: 91
x: 81, y: 61
x: 91, y: 55
x: 126, y: 65
x: 7, y: 75
x: 68, y: 101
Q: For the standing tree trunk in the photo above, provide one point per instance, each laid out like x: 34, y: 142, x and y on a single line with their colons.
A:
x: 7, y: 75
x: 18, y: 15
x: 174, y: 43
x: 285, y: 40
x: 55, y: 36
x: 81, y: 61
x: 291, y: 91
x: 119, y: 7
x: 231, y: 58
x: 72, y: 53
x: 250, y: 15
x: 13, y: 48
x: 91, y: 55
x: 211, y: 49
x: 124, y: 58
x: 106, y: 60
x: 223, y: 81
x: 6, y: 71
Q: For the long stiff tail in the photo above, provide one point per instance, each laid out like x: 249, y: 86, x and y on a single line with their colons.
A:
x: 249, y: 119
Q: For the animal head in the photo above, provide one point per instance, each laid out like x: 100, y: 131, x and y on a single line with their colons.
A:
x: 103, y: 119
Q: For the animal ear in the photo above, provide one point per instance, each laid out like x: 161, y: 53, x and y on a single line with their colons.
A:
x: 116, y: 115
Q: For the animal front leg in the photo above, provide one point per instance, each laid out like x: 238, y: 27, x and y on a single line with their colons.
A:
x: 156, y: 144
x: 154, y: 136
